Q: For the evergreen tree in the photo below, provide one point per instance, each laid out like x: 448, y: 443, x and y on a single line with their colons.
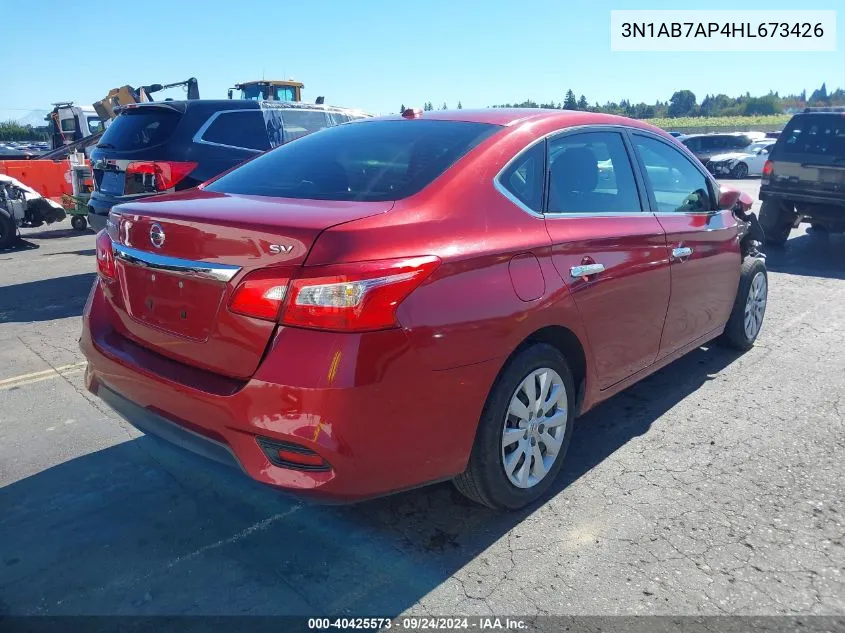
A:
x: 582, y: 103
x: 569, y: 102
x: 460, y: 107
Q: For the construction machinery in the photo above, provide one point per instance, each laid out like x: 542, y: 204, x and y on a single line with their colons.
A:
x: 127, y: 95
x: 269, y: 90
x: 70, y: 123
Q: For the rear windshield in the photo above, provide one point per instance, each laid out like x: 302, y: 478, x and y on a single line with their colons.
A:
x: 815, y: 134
x: 136, y: 129
x: 364, y: 161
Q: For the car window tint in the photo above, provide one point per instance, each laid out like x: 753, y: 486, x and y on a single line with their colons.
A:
x: 140, y: 127
x: 366, y: 161
x: 238, y: 129
x: 298, y: 123
x: 676, y: 183
x: 524, y: 178
x: 591, y: 173
x: 816, y: 134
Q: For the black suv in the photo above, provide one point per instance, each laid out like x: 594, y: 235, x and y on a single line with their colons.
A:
x: 804, y: 178
x: 706, y: 145
x: 151, y: 148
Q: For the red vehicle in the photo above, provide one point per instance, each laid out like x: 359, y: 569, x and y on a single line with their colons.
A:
x: 417, y: 298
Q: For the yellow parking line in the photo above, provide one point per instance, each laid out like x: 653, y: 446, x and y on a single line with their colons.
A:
x: 41, y: 375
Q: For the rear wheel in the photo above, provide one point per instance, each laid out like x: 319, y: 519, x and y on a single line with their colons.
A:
x: 8, y: 231
x: 79, y: 222
x: 740, y: 170
x: 523, y: 433
x: 776, y: 218
x: 749, y: 306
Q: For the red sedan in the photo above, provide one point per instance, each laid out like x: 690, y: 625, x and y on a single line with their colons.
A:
x: 418, y: 298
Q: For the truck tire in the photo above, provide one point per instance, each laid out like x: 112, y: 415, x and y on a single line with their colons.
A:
x: 776, y: 218
x: 8, y: 230
x: 749, y: 306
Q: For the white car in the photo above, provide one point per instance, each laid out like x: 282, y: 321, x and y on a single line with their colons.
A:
x: 745, y: 162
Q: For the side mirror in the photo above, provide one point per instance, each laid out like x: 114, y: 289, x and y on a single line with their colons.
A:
x: 734, y: 198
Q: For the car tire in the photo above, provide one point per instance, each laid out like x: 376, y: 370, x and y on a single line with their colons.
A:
x: 8, y: 230
x: 749, y: 309
x: 537, y: 453
x: 740, y: 171
x: 79, y: 222
x: 776, y: 218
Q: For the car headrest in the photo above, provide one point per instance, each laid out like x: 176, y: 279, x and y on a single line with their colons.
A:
x: 575, y: 170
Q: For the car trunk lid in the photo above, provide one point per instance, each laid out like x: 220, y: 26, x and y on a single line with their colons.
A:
x: 180, y: 257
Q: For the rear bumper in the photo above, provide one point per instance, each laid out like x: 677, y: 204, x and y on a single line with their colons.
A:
x: 363, y: 402
x: 770, y: 193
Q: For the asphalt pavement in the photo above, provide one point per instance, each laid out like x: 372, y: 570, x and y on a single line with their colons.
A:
x: 713, y: 487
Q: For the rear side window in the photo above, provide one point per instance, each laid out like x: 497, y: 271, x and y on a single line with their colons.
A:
x: 591, y: 173
x: 298, y: 123
x: 136, y: 129
x: 523, y: 179
x: 364, y: 161
x: 243, y: 129
x: 815, y: 134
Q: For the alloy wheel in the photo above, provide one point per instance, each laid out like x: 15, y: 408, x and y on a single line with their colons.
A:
x: 755, y: 305
x: 534, y: 427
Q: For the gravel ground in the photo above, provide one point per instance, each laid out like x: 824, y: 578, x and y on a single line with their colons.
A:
x: 713, y: 487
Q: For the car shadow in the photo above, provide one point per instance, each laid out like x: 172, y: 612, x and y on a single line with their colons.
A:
x: 52, y: 234
x: 144, y: 528
x: 46, y: 299
x: 18, y: 246
x: 812, y: 254
x: 84, y: 252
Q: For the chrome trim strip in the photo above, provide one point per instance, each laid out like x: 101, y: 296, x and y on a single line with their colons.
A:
x: 598, y: 214
x: 575, y: 129
x: 186, y: 267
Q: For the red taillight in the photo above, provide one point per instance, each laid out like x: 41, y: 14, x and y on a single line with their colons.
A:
x: 157, y: 175
x: 768, y: 168
x: 105, y: 256
x: 354, y: 297
x: 261, y: 294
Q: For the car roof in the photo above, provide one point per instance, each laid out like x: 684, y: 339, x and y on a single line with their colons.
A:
x: 513, y: 116
x: 245, y: 104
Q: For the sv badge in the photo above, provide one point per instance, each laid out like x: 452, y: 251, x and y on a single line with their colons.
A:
x: 277, y: 249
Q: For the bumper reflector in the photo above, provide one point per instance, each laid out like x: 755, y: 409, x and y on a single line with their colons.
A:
x: 289, y: 455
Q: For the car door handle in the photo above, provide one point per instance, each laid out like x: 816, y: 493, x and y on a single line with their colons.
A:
x: 682, y: 252
x: 586, y: 270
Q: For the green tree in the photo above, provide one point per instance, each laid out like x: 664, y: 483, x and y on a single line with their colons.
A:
x: 582, y: 103
x: 427, y: 106
x: 820, y: 95
x: 460, y: 107
x: 401, y: 108
x: 682, y: 103
x: 569, y: 102
x: 445, y: 107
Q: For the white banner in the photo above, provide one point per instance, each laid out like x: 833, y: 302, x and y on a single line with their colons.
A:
x: 703, y: 30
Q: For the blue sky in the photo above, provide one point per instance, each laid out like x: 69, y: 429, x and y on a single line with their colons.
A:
x: 376, y: 55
